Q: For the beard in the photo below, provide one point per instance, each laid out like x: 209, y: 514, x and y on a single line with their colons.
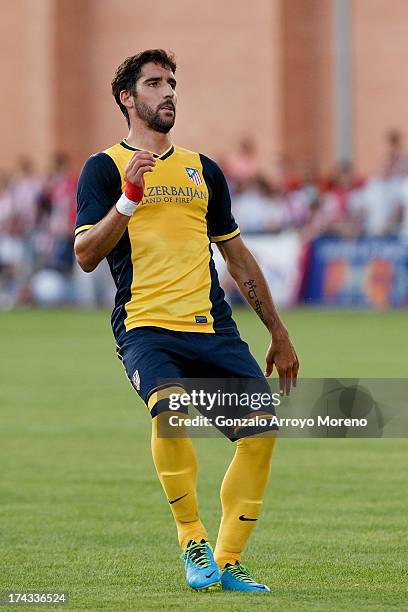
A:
x: 154, y: 119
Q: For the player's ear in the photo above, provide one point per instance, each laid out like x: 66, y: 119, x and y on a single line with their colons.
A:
x: 126, y: 98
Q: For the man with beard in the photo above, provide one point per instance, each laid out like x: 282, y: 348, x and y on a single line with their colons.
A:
x: 152, y: 209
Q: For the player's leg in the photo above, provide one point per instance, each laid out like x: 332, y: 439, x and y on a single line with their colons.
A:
x: 146, y: 357
x: 149, y: 356
x: 242, y: 493
x: 176, y: 466
x: 247, y: 476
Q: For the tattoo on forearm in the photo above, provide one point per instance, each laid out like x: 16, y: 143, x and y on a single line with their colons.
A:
x: 252, y: 296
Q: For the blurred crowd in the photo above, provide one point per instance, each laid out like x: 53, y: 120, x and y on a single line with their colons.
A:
x: 37, y: 221
x: 342, y: 203
x: 37, y: 216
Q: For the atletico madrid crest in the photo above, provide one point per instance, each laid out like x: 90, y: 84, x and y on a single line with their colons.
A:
x: 194, y: 175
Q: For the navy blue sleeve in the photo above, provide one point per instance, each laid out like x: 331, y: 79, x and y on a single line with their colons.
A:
x: 221, y: 223
x: 99, y: 188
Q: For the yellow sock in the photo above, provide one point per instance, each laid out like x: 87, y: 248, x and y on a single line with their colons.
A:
x: 176, y: 466
x: 242, y: 491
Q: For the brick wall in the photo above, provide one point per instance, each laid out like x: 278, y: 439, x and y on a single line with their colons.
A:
x: 380, y: 84
x: 262, y: 68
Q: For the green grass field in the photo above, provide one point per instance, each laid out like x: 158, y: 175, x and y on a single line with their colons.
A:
x: 82, y: 511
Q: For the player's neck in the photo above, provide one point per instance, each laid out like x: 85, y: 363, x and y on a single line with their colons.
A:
x: 148, y: 140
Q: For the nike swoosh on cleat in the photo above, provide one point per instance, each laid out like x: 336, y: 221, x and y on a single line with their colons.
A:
x: 173, y: 501
x: 243, y: 518
x: 209, y: 575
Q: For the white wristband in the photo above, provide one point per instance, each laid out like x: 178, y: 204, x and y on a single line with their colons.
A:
x: 124, y: 206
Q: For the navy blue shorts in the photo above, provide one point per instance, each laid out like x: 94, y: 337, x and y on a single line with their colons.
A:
x: 151, y: 354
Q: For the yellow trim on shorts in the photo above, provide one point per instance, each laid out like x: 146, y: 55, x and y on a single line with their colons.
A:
x: 163, y: 393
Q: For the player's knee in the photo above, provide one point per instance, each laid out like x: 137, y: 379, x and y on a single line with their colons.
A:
x: 170, y: 426
x: 259, y: 449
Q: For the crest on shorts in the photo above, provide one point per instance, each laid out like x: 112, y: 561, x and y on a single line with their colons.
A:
x: 136, y: 380
x: 194, y: 175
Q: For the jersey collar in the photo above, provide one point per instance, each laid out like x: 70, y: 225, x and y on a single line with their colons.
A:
x: 163, y: 156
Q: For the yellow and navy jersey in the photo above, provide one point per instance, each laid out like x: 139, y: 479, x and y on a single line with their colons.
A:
x: 163, y: 266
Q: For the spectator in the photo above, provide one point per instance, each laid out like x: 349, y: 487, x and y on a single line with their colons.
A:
x: 310, y: 183
x: 402, y: 210
x: 6, y: 204
x: 376, y: 208
x: 289, y: 189
x: 26, y: 188
x: 11, y: 246
x: 395, y: 163
x: 241, y: 166
x: 257, y: 208
x: 61, y: 191
x: 340, y: 196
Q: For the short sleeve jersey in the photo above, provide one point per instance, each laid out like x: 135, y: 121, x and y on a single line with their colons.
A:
x: 163, y: 265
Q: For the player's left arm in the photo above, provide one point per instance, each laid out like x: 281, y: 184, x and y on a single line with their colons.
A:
x: 243, y: 267
x: 246, y: 272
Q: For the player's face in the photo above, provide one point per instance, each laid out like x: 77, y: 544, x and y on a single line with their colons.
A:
x: 155, y: 100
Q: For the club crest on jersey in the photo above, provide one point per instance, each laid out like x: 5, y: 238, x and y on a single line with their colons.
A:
x: 136, y: 380
x: 194, y: 175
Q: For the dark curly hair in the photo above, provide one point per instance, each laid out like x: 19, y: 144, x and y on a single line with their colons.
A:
x: 130, y: 70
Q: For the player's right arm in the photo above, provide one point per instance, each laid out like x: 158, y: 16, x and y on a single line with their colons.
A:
x: 100, y: 225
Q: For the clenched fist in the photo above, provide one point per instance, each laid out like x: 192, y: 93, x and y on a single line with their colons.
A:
x: 141, y: 162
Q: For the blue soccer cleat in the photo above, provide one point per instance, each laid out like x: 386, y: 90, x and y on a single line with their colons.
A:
x: 236, y: 578
x: 202, y: 572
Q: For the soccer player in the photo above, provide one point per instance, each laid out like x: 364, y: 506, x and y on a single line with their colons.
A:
x: 153, y: 209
